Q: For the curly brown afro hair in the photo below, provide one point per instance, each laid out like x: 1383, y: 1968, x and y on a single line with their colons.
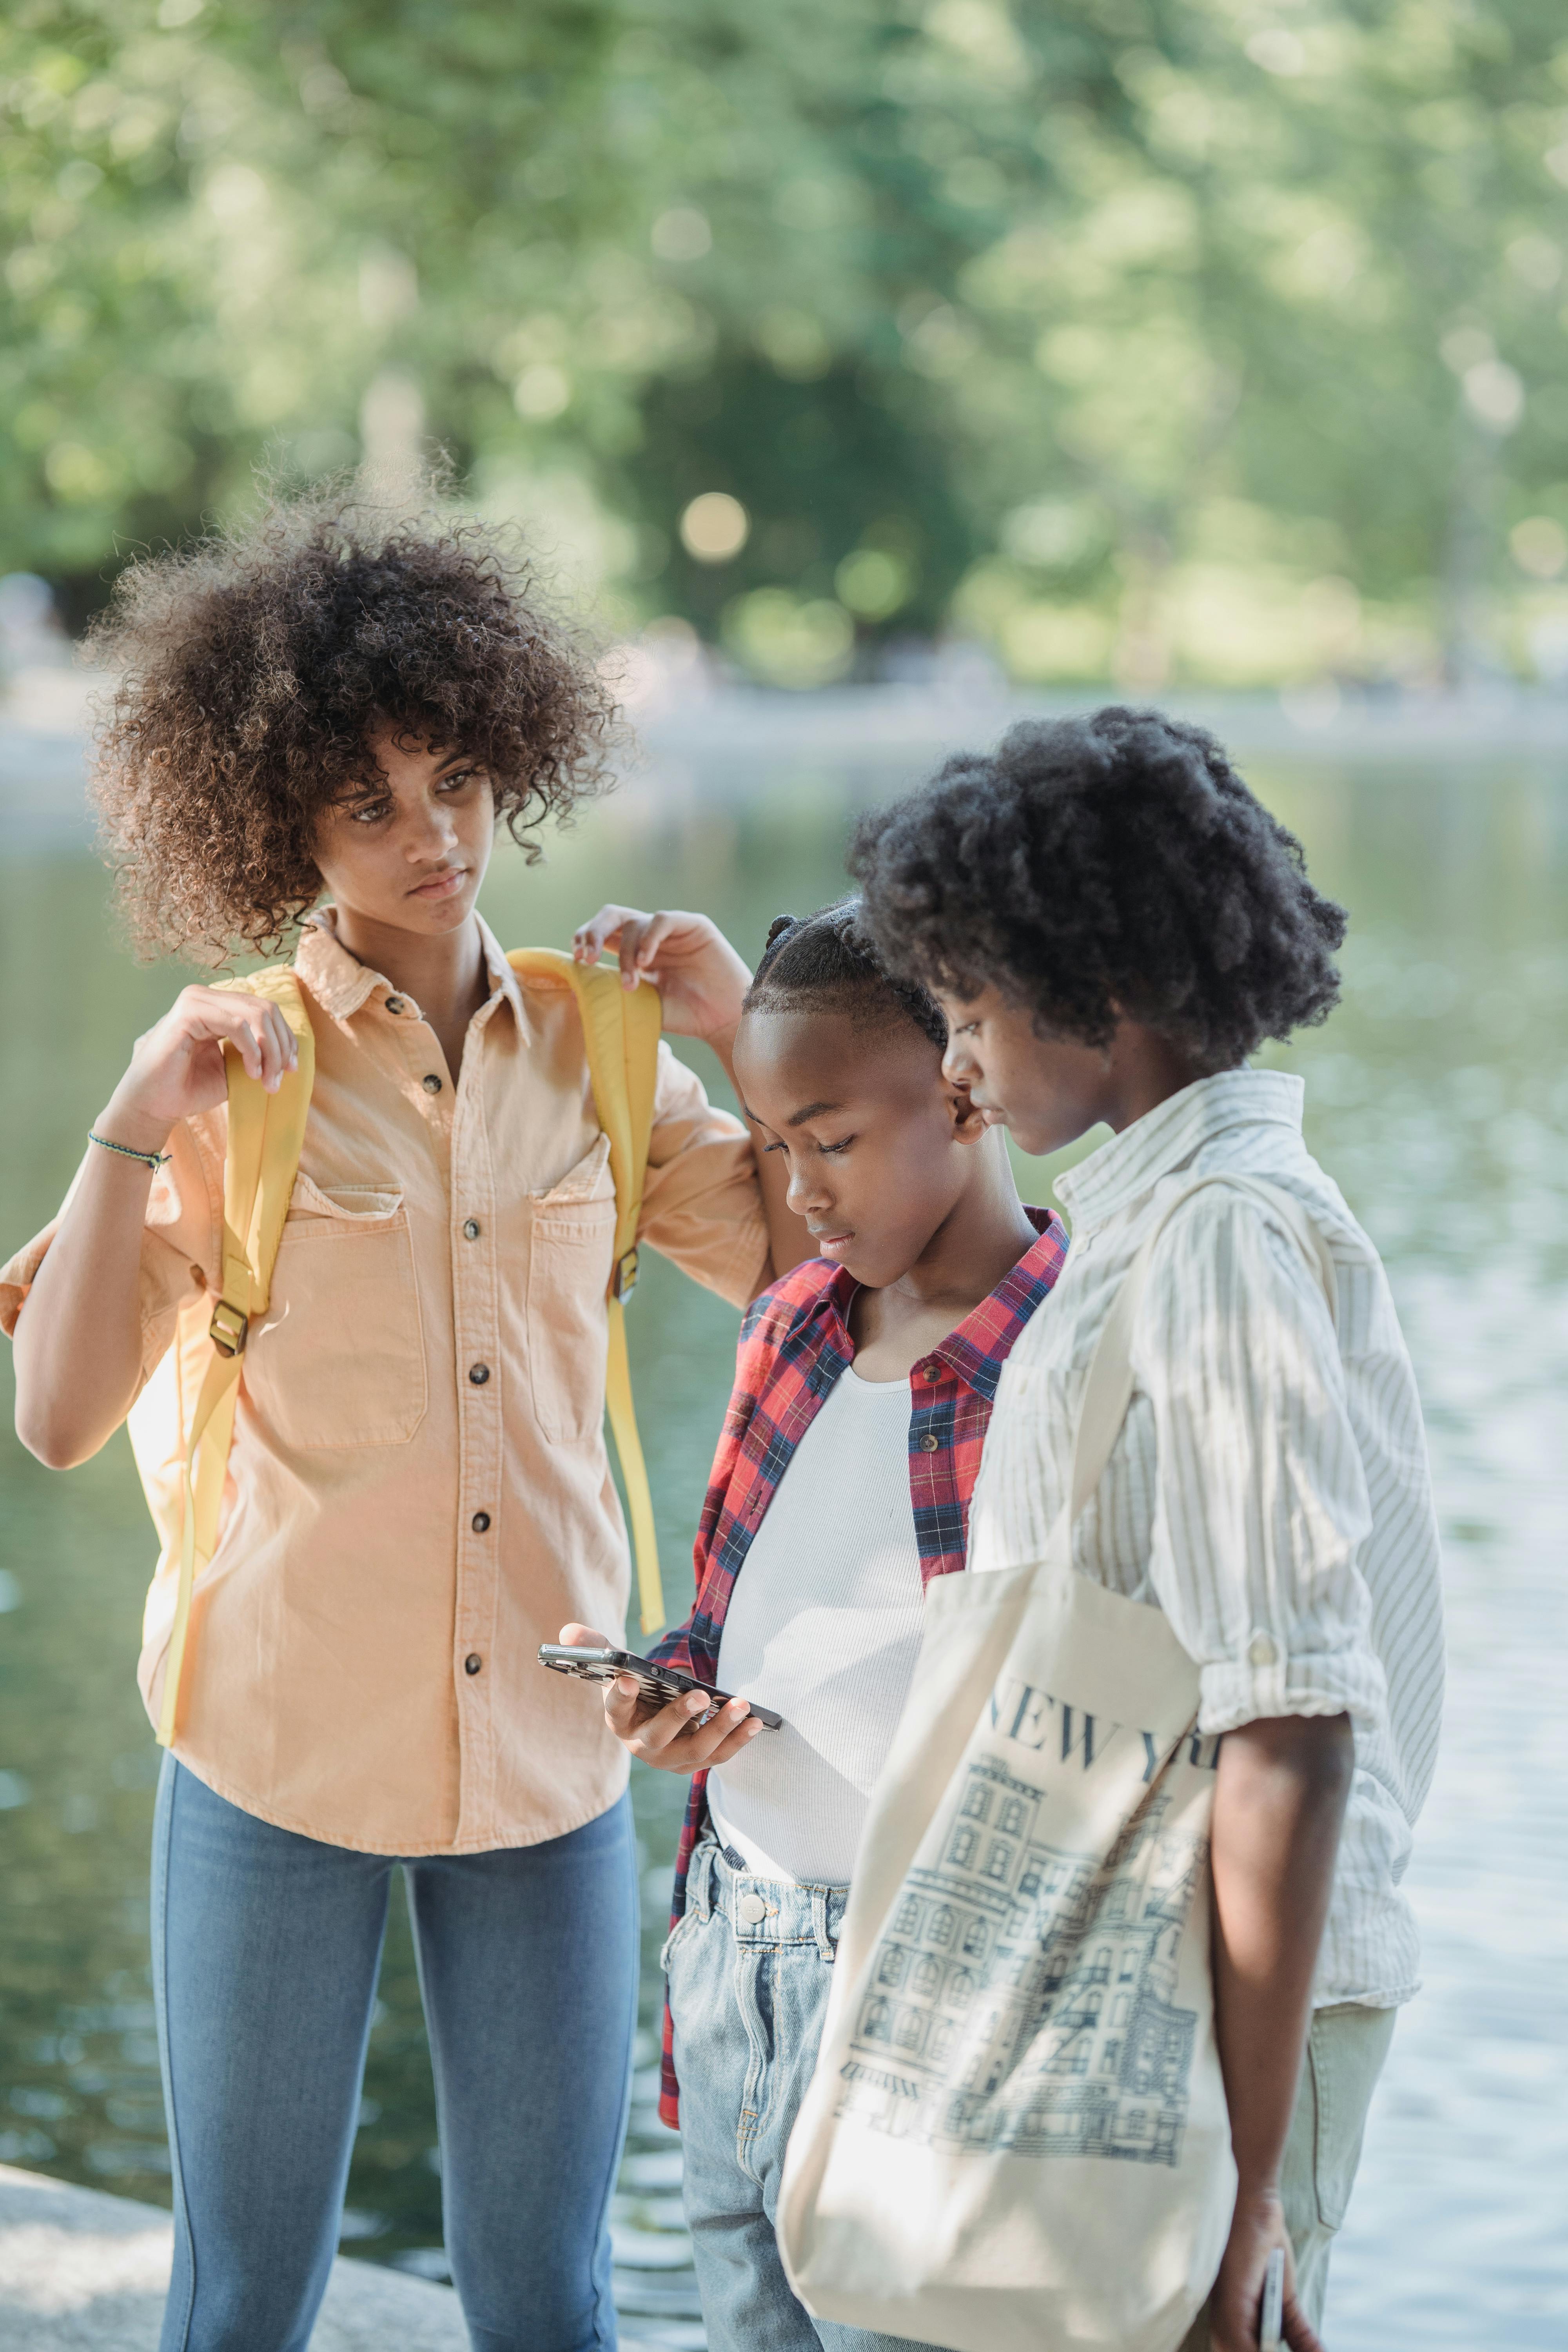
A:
x: 253, y: 669
x: 1113, y: 864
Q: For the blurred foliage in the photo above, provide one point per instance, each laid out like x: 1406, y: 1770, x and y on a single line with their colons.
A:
x: 1145, y: 338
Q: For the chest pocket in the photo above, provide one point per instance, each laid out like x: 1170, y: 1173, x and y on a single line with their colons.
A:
x: 339, y: 1359
x: 571, y: 1240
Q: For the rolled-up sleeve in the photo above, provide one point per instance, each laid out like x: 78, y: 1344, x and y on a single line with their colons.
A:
x: 1261, y: 1506
x: 180, y: 1241
x: 701, y: 1205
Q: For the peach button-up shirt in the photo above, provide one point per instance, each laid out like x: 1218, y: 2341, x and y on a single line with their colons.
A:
x: 419, y: 1493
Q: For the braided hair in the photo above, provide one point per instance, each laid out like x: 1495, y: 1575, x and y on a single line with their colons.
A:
x: 825, y: 963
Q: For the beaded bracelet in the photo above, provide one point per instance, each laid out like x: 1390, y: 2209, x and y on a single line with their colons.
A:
x: 153, y: 1159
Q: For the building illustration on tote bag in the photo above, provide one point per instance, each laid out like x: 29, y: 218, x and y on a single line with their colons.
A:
x: 1024, y: 1998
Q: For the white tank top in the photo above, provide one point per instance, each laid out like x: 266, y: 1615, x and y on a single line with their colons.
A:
x: 824, y: 1625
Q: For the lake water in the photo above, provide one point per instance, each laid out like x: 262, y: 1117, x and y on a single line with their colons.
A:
x: 1437, y: 1095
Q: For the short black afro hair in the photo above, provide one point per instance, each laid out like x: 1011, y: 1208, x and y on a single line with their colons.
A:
x: 1112, y: 864
x: 826, y: 962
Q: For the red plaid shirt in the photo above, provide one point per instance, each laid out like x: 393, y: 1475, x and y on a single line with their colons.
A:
x: 795, y: 1344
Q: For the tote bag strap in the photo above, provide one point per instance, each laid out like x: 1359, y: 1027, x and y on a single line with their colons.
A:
x: 1108, y: 1390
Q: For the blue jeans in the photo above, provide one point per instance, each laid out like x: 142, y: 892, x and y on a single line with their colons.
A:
x: 747, y: 1997
x: 266, y: 1947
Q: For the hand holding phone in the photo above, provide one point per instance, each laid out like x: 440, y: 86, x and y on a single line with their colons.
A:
x: 666, y: 1718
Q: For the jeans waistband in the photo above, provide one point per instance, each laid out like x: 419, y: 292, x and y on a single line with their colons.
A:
x: 763, y: 1910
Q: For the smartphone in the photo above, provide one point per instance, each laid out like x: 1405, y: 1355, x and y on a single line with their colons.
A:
x: 1273, y: 2318
x: 660, y: 1683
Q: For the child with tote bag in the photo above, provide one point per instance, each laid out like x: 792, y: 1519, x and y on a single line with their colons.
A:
x: 1126, y: 1936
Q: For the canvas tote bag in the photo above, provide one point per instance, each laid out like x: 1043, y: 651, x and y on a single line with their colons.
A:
x: 1016, y: 2139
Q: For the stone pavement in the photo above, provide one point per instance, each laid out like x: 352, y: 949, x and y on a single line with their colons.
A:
x: 80, y: 2271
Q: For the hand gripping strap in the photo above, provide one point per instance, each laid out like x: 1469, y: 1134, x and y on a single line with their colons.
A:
x: 265, y: 1135
x: 621, y: 1031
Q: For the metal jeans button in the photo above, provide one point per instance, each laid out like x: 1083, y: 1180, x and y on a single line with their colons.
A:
x: 750, y: 1908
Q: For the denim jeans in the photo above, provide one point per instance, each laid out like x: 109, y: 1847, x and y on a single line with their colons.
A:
x: 747, y: 1995
x: 266, y: 1947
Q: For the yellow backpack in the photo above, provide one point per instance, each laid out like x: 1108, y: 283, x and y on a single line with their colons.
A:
x: 265, y: 1135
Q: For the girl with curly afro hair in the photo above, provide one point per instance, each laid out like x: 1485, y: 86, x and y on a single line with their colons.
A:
x: 320, y: 724
x: 1111, y: 923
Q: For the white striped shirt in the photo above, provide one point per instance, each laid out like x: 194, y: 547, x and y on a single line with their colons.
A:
x: 1270, y: 1489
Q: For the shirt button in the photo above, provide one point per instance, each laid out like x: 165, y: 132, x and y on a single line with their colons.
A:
x: 1261, y: 1651
x: 472, y: 1663
x: 395, y: 1005
x: 471, y: 1230
x: 929, y: 1441
x: 930, y: 1371
x: 481, y: 1523
x: 432, y: 1085
x: 750, y: 1908
x: 479, y: 1374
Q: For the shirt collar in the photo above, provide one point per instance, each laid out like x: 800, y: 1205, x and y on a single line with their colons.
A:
x: 343, y: 986
x: 1117, y: 1176
x: 976, y: 1349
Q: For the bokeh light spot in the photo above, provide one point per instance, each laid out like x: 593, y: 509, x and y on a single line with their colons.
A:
x: 1540, y: 546
x: 715, y: 527
x: 873, y: 583
x: 682, y: 234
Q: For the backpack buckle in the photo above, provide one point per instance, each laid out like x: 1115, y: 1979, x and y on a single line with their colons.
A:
x: 624, y: 1281
x: 229, y: 1328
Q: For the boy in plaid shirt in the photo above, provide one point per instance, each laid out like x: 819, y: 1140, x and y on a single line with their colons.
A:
x: 864, y: 1383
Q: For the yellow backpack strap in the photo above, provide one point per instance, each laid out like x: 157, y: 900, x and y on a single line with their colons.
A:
x: 621, y: 1029
x: 265, y: 1135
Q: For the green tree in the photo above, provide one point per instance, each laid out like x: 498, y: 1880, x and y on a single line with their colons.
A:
x: 1155, y: 336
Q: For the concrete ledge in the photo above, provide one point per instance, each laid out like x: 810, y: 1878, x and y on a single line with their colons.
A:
x: 80, y: 2271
